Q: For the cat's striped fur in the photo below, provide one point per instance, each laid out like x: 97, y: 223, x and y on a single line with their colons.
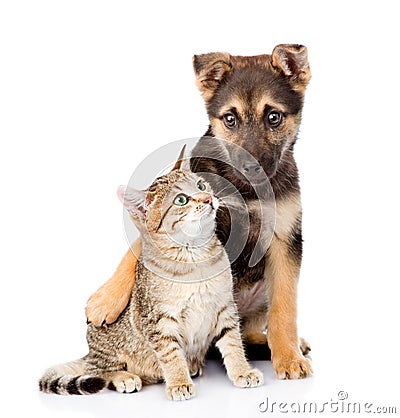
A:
x: 181, y: 303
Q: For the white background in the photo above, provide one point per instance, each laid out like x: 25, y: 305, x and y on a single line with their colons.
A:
x: 89, y: 88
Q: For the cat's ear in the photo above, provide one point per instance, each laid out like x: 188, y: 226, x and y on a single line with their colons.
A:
x: 182, y: 163
x: 133, y: 200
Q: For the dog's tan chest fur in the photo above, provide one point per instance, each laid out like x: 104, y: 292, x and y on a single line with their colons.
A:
x: 288, y: 213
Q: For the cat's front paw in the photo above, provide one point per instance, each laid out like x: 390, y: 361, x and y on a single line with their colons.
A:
x: 250, y: 379
x: 180, y: 392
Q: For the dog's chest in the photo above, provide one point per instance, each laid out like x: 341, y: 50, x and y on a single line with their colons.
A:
x: 249, y: 233
x: 265, y: 225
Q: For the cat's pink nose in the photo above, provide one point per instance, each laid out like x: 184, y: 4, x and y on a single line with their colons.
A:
x: 208, y: 200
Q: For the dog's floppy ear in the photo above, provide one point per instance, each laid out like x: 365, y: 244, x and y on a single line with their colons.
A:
x: 210, y: 70
x: 292, y: 61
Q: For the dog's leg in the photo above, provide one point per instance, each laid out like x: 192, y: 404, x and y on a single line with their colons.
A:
x: 282, y: 269
x: 105, y: 305
x: 255, y: 335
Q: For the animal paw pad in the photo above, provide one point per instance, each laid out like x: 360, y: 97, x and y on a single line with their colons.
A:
x: 250, y: 379
x: 126, y: 384
x: 180, y: 392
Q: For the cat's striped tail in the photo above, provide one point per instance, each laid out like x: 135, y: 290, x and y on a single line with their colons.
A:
x: 70, y: 379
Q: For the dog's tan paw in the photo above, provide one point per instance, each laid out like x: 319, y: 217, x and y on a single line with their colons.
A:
x: 296, y: 367
x: 250, y: 379
x: 180, y: 392
x: 102, y: 308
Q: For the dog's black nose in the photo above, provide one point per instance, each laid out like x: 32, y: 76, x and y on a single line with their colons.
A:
x: 251, y: 169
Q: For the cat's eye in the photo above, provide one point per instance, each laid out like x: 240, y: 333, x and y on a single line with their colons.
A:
x: 181, y: 200
x: 201, y: 185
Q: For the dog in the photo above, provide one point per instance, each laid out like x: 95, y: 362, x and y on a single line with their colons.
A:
x: 255, y: 103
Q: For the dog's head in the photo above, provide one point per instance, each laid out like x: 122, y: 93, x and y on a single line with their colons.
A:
x: 255, y: 102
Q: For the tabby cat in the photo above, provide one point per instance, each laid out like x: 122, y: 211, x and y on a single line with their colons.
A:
x: 181, y: 303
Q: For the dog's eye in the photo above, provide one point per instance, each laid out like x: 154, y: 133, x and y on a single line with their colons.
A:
x: 274, y: 118
x: 229, y: 120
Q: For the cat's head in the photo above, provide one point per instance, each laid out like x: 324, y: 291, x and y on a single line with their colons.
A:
x: 179, y: 207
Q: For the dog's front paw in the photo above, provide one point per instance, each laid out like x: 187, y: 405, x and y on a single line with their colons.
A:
x: 102, y: 308
x: 292, y: 367
x: 180, y: 392
x: 250, y: 379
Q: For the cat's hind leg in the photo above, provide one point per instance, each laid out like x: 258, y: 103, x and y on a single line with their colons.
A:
x: 124, y: 382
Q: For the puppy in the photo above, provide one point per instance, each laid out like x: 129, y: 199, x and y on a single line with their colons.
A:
x: 255, y: 103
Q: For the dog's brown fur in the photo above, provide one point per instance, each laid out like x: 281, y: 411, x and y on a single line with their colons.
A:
x: 263, y: 95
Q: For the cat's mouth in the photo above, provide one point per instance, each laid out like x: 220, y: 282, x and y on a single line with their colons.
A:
x: 205, y: 215
x: 215, y: 203
x: 210, y: 209
x: 205, y: 212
